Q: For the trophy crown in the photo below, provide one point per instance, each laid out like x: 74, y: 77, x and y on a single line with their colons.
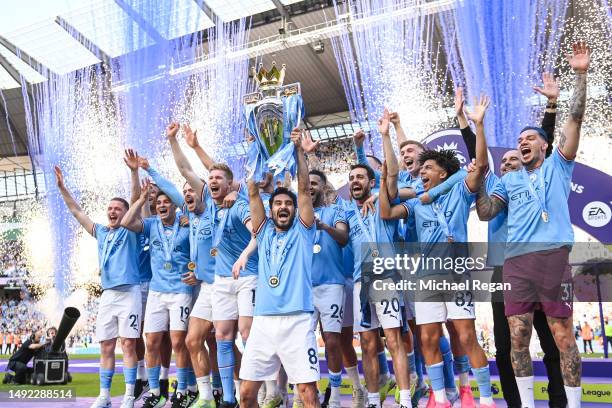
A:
x: 272, y: 78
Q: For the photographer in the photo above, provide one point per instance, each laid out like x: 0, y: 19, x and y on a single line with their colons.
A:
x: 18, y: 363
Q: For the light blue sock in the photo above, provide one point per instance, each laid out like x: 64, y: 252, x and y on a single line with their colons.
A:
x: 436, y: 375
x: 483, y: 378
x: 447, y: 357
x: 216, y: 380
x: 106, y: 378
x: 335, y: 379
x: 191, y: 378
x: 129, y: 374
x: 153, y: 374
x: 181, y: 375
x: 383, y: 363
x: 226, y: 361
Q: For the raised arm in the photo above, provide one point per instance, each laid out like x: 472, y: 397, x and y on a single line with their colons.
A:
x: 303, y: 144
x: 400, y: 136
x: 131, y: 220
x: 358, y: 139
x: 579, y: 60
x: 387, y: 211
x: 459, y: 106
x: 131, y: 160
x: 191, y: 137
x: 475, y: 178
x: 162, y: 183
x: 181, y: 161
x: 390, y: 157
x: 549, y: 89
x: 73, y: 206
x: 256, y: 207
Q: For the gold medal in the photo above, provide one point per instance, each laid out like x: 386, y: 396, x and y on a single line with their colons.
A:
x: 316, y: 248
x: 191, y: 266
x: 545, y: 216
x: 375, y: 253
x: 167, y: 266
x: 213, y: 251
x: 273, y: 281
x: 450, y: 238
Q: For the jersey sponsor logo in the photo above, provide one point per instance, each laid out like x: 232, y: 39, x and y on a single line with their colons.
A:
x: 596, y: 214
x: 521, y: 197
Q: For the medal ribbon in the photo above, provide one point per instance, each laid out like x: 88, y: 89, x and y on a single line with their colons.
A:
x: 194, y: 231
x: 437, y: 209
x: 369, y: 231
x: 168, y: 244
x: 277, y: 254
x: 218, y: 230
x: 541, y: 201
x: 107, y: 246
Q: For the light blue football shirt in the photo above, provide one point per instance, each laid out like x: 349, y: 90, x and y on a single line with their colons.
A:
x: 163, y: 280
x: 291, y: 252
x: 118, y: 251
x: 376, y: 230
x: 234, y: 238
x: 551, y: 182
x: 327, y: 267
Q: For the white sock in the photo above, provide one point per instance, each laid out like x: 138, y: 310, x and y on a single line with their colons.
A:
x: 237, y: 388
x: 141, y: 371
x: 525, y: 387
x: 374, y: 399
x: 335, y: 394
x: 451, y: 392
x: 129, y: 389
x: 486, y: 400
x: 464, y: 379
x: 353, y: 374
x: 204, y: 387
x: 405, y: 398
x: 105, y: 392
x: 155, y: 391
x: 271, y: 391
x: 163, y: 373
x: 192, y: 388
x: 574, y: 396
x: 440, y: 395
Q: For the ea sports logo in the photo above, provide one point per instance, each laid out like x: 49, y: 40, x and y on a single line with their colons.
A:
x: 596, y: 214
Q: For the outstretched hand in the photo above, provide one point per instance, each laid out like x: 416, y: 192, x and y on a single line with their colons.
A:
x: 580, y: 58
x: 59, y: 177
x: 550, y: 87
x: 143, y: 163
x: 383, y: 123
x: 145, y: 189
x: 459, y: 101
x: 131, y: 159
x: 191, y: 137
x: 479, y: 109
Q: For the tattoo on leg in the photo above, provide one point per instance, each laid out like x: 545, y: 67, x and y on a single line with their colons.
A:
x: 571, y: 364
x: 520, y: 334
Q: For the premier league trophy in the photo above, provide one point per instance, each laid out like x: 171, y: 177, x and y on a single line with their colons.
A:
x: 272, y: 111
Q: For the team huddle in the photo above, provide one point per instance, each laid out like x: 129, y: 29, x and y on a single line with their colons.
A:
x: 192, y: 269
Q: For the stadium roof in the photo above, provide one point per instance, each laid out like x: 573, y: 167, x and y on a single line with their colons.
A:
x: 41, y: 33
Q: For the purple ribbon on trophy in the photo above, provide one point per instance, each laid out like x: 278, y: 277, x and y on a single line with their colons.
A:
x: 272, y: 111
